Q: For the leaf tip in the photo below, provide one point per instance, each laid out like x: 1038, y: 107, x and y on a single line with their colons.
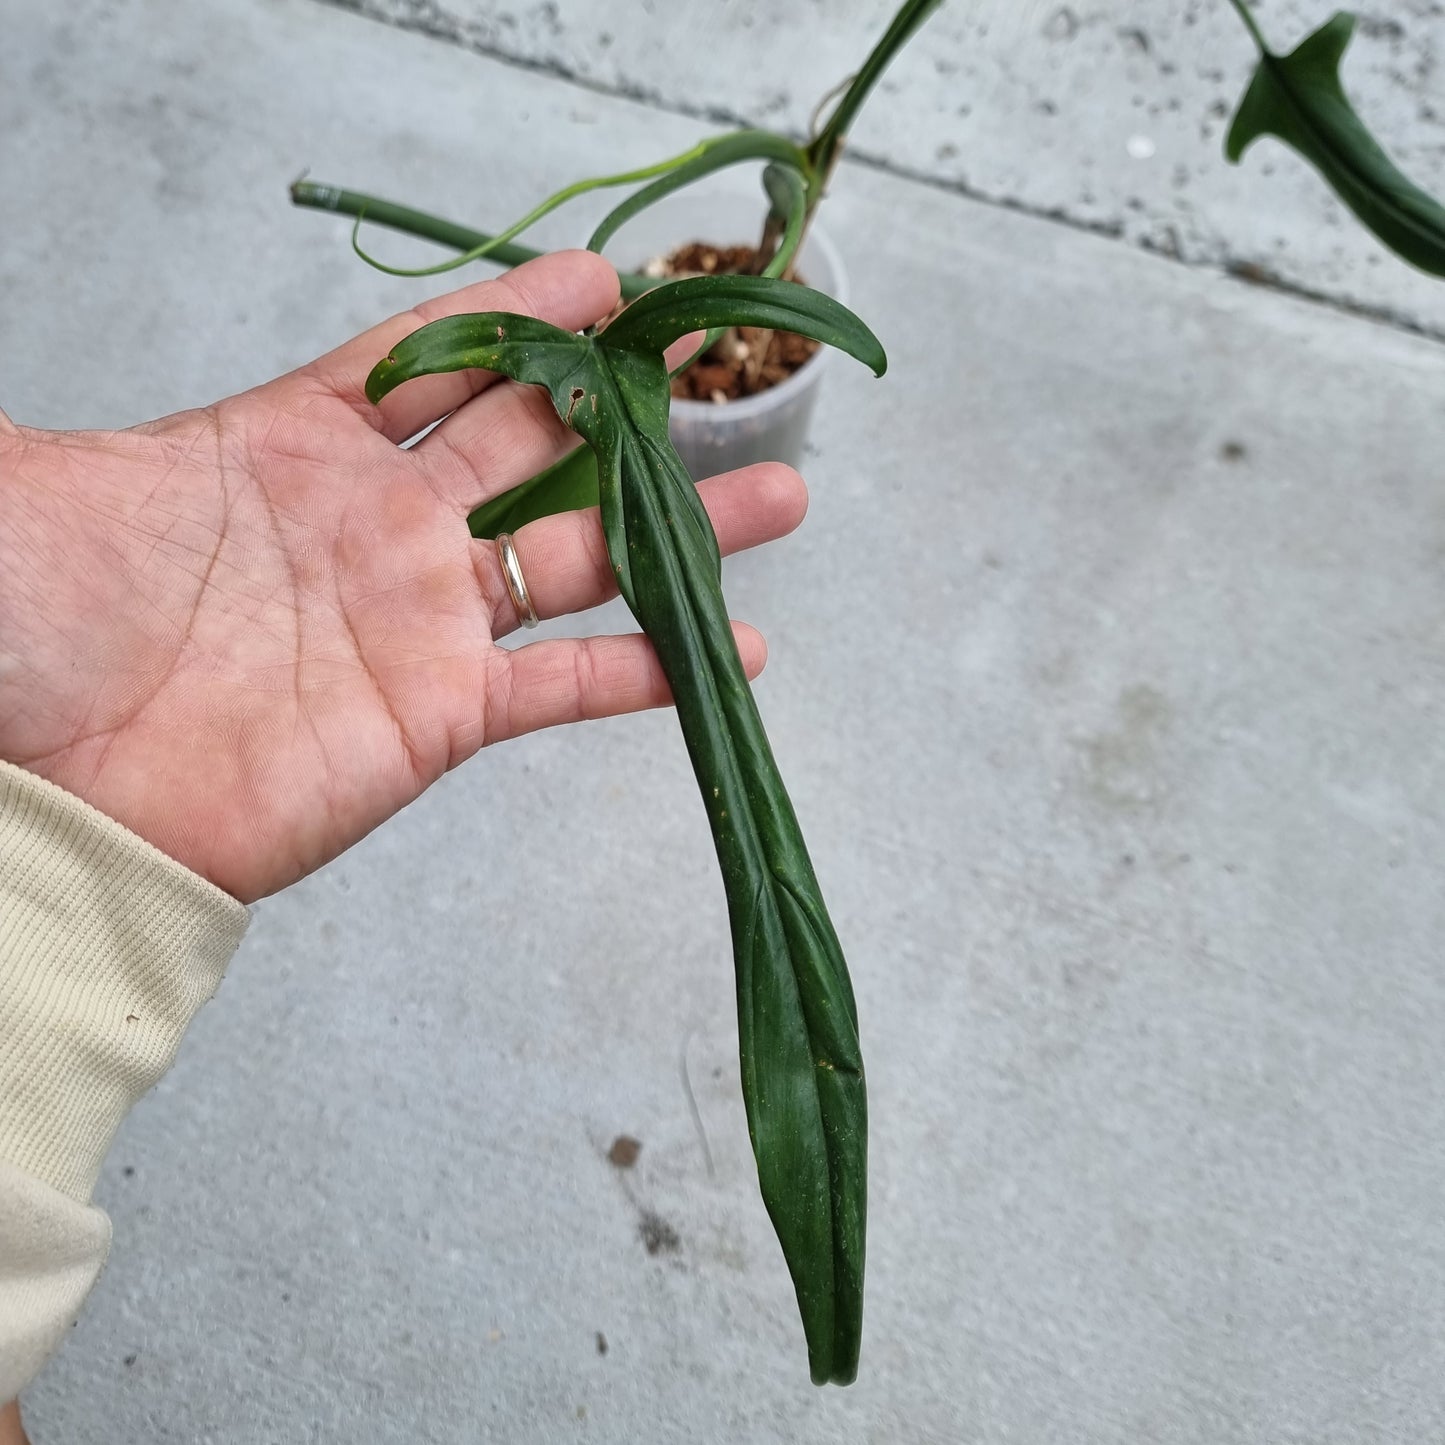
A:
x: 377, y: 383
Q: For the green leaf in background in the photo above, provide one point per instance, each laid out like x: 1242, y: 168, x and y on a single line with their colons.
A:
x: 802, y: 1070
x: 1299, y: 98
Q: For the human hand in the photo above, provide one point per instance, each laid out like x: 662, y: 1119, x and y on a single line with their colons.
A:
x: 251, y: 633
x: 12, y: 1432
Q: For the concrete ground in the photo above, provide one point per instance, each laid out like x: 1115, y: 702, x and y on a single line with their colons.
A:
x: 1108, y: 676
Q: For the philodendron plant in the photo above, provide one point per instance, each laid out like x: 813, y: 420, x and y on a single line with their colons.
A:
x: 802, y: 1072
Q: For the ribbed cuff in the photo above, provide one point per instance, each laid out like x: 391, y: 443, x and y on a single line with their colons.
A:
x: 51, y: 1252
x: 107, y: 950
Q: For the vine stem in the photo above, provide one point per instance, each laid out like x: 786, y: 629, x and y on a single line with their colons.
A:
x: 317, y: 196
x: 1250, y: 24
x: 544, y: 208
x: 824, y: 147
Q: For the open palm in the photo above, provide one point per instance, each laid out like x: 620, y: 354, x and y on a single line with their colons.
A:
x: 253, y: 632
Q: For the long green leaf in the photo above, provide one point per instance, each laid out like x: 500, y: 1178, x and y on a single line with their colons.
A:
x: 802, y: 1070
x: 1299, y: 98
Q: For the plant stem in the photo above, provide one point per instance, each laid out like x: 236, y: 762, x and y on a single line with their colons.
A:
x: 543, y: 208
x: 429, y: 228
x: 1250, y: 24
x: 823, y: 149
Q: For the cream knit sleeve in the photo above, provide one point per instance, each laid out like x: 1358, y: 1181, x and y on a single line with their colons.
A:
x: 107, y: 949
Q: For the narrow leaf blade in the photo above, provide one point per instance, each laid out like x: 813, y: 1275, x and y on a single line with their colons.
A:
x: 517, y: 346
x: 703, y: 303
x: 802, y: 1069
x: 802, y: 1074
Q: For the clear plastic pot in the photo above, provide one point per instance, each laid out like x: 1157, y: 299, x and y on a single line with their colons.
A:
x: 714, y: 437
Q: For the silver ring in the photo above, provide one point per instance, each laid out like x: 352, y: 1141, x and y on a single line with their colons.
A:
x: 516, y: 584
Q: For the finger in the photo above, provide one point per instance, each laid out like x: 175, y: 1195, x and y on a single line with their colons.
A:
x: 564, y: 559
x: 683, y: 348
x: 492, y: 444
x: 571, y: 289
x: 575, y: 679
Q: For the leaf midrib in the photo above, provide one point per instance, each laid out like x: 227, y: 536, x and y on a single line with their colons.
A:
x: 1358, y: 178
